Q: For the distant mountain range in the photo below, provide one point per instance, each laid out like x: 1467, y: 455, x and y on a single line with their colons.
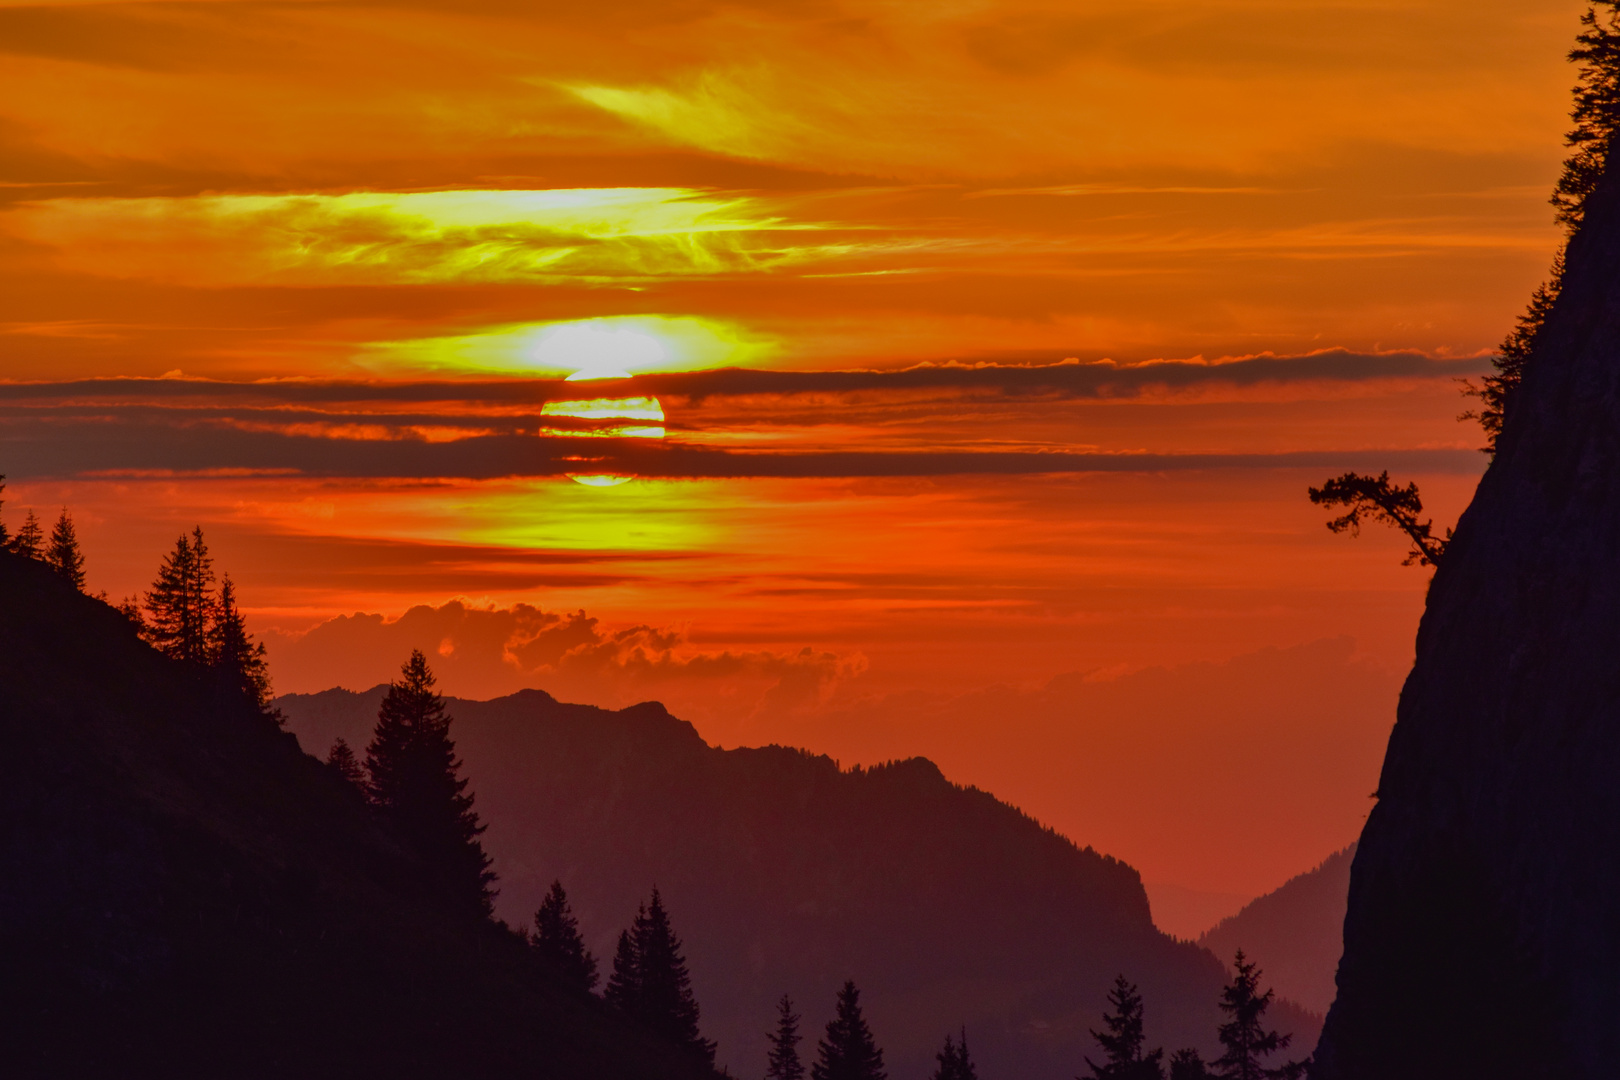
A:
x: 183, y: 893
x: 1295, y: 932
x: 786, y: 873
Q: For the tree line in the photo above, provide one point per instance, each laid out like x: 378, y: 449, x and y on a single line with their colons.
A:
x: 1596, y: 116
x: 188, y: 614
x: 1245, y: 1040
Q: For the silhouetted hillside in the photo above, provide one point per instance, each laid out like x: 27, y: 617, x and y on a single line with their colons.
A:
x: 184, y: 893
x: 1295, y: 932
x: 785, y: 873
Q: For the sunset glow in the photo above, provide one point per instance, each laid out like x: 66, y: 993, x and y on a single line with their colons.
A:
x: 971, y: 360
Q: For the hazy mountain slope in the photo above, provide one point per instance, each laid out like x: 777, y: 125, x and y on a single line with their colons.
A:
x: 785, y: 873
x: 1482, y: 937
x: 1295, y: 932
x: 184, y: 893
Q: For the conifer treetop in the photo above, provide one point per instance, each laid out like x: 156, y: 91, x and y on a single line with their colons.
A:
x: 62, y: 552
x: 848, y: 1052
x: 782, y: 1063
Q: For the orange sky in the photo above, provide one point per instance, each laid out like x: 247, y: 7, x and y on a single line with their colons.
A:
x: 1109, y: 282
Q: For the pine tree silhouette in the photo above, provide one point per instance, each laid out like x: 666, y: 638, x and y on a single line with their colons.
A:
x: 1244, y: 1036
x: 62, y: 552
x: 233, y: 651
x: 30, y: 539
x: 663, y: 1000
x: 558, y: 945
x: 414, y: 784
x: 848, y: 1051
x: 955, y: 1063
x: 1188, y: 1064
x: 1122, y: 1042
x: 782, y: 1063
x: 341, y: 758
x: 180, y: 604
x: 624, y: 985
x: 5, y: 537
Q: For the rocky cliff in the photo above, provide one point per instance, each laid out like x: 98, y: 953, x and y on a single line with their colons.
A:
x: 1483, y: 932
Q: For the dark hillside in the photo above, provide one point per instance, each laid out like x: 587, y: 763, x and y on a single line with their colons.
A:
x: 785, y: 873
x: 184, y: 893
x: 1295, y: 932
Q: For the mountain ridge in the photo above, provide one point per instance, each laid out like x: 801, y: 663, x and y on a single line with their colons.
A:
x: 786, y: 872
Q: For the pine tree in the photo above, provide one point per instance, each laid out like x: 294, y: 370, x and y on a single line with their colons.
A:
x: 558, y: 945
x: 848, y: 1052
x: 62, y: 553
x: 341, y: 758
x: 664, y: 1000
x: 1188, y: 1064
x: 5, y: 537
x: 783, y: 1061
x: 1244, y: 1036
x: 1122, y: 1042
x: 414, y: 784
x: 30, y: 539
x: 181, y: 603
x: 232, y: 650
x: 624, y: 985
x: 955, y: 1063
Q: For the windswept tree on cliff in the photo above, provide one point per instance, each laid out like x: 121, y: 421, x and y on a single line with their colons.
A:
x: 1123, y: 1058
x: 415, y: 784
x: 62, y: 552
x: 1375, y: 498
x: 1245, y: 1036
x: 558, y: 945
x: 848, y: 1052
x: 651, y: 985
x: 782, y: 1062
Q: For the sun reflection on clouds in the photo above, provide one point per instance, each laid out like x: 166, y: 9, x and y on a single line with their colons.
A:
x: 611, y: 347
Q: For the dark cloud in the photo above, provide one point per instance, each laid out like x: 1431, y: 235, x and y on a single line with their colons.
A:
x: 1095, y: 379
x: 49, y: 446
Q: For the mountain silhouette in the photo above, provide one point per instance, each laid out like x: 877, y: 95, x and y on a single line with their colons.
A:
x: 184, y: 893
x: 1482, y: 937
x: 1295, y: 932
x: 786, y: 874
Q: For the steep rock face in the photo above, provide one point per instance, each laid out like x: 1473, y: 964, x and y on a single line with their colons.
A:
x: 184, y: 893
x: 1483, y: 932
x: 785, y: 873
x: 1295, y: 932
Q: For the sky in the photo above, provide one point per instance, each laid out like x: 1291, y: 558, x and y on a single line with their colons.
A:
x: 882, y: 378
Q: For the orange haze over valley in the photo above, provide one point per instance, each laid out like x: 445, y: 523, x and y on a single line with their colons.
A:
x: 970, y: 361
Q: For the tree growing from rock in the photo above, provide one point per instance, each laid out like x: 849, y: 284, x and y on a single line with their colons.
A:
x: 1245, y: 1036
x: 1121, y: 1043
x: 414, y: 781
x: 782, y: 1062
x: 558, y: 945
x: 848, y: 1051
x: 1375, y: 498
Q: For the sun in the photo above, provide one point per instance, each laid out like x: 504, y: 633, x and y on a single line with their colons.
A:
x: 601, y: 355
